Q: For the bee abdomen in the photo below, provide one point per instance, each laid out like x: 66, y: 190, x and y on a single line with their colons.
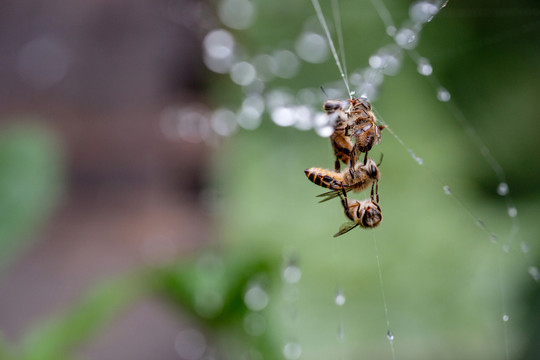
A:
x: 316, y: 176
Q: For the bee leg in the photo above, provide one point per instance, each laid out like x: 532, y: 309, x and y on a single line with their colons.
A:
x: 365, y: 158
x: 352, y: 157
x: 337, y: 166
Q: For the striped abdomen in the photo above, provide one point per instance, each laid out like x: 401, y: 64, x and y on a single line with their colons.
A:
x: 342, y: 145
x: 325, y: 178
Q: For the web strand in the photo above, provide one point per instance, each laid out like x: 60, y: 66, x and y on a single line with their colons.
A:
x: 339, y: 32
x: 389, y: 334
x: 322, y: 20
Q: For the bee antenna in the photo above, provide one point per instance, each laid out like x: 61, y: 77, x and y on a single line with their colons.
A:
x: 324, y: 92
x: 380, y: 160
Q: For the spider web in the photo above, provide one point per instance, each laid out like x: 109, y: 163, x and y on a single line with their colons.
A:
x: 493, y: 270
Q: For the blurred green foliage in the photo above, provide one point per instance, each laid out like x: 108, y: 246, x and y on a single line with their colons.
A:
x: 30, y: 182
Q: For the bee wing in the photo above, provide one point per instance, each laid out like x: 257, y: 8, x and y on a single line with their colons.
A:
x: 345, y: 228
x: 329, y: 195
x: 363, y: 130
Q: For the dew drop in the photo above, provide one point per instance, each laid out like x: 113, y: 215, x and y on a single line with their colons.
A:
x: 480, y: 223
x: 419, y: 160
x: 533, y: 271
x: 391, y: 30
x: 341, y: 332
x: 525, y: 248
x: 325, y: 131
x: 512, y: 212
x: 249, y: 117
x: 340, y: 299
x: 406, y: 38
x: 256, y: 298
x: 390, y: 335
x: 292, y: 351
x: 502, y: 189
x: 236, y: 14
x: 219, y: 44
x: 223, y: 122
x: 287, y: 64
x: 292, y: 274
x: 447, y: 190
x: 422, y: 11
x: 283, y: 116
x: 506, y: 317
x: 312, y: 47
x: 243, y: 73
x: 266, y: 66
x: 443, y: 94
x: 424, y: 67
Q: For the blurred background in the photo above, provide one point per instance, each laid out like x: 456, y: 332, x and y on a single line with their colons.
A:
x: 154, y: 204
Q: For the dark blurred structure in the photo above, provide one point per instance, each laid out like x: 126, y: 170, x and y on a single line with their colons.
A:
x: 99, y: 74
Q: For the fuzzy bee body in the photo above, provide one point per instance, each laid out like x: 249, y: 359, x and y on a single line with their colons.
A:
x: 356, y: 179
x: 364, y: 213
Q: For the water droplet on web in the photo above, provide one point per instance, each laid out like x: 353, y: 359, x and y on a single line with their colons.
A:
x: 506, y: 317
x: 525, y: 248
x: 447, y: 190
x: 533, y: 271
x: 493, y: 238
x: 390, y: 335
x: 256, y: 298
x: 391, y: 30
x: 480, y: 223
x: 424, y: 67
x: 243, y: 73
x: 236, y: 14
x: 422, y: 11
x: 324, y: 131
x: 406, y: 38
x: 340, y: 299
x: 512, y: 212
x: 282, y: 116
x: 292, y: 351
x: 266, y: 66
x: 502, y: 189
x: 312, y: 47
x: 443, y: 94
x: 341, y: 332
x: 287, y: 64
x: 387, y: 60
x: 223, y: 122
x: 292, y: 274
x: 416, y: 158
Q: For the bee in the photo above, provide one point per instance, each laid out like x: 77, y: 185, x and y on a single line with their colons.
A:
x: 340, y: 138
x: 366, y: 213
x: 363, y: 127
x: 355, y: 179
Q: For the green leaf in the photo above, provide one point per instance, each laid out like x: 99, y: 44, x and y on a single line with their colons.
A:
x: 58, y: 337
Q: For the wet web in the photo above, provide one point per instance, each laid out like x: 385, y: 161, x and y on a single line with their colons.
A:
x: 301, y: 111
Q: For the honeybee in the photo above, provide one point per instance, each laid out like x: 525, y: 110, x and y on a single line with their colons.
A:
x: 340, y: 138
x: 366, y: 213
x: 355, y: 179
x: 363, y: 128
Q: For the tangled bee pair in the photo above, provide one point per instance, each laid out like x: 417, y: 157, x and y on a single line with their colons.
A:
x: 352, y: 119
